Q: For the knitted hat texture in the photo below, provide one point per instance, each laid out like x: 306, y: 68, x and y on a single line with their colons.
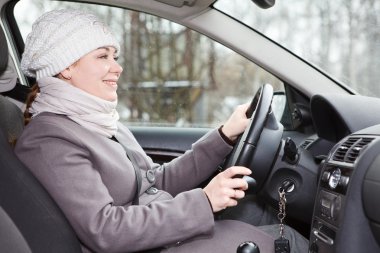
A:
x: 61, y: 37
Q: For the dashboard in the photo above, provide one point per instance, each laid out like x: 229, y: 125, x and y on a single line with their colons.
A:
x: 346, y: 208
x: 345, y: 217
x: 335, y: 182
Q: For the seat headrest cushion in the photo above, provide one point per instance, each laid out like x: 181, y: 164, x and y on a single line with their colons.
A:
x: 8, y: 78
x: 3, y: 52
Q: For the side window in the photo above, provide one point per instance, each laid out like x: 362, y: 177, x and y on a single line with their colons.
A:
x: 173, y: 76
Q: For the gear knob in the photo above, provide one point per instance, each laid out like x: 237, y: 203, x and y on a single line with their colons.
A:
x: 248, y: 247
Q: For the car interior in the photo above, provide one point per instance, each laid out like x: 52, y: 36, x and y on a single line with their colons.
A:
x: 322, y: 149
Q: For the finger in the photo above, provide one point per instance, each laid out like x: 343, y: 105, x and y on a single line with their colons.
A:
x: 243, y: 185
x: 239, y: 194
x: 235, y: 194
x: 236, y: 170
x: 230, y: 192
x: 244, y: 188
x: 244, y: 107
x: 236, y: 183
x: 232, y: 202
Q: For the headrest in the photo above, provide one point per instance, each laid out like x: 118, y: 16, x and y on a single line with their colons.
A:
x: 3, y: 52
x: 8, y: 76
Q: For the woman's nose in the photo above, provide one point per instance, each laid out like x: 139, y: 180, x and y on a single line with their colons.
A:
x: 116, y: 67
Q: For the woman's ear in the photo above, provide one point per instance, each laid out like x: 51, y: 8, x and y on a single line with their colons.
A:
x: 65, y: 74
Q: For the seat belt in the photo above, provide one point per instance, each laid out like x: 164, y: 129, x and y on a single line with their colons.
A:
x: 138, y: 184
x: 130, y: 156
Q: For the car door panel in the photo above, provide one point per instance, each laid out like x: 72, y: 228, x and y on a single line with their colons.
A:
x: 163, y: 144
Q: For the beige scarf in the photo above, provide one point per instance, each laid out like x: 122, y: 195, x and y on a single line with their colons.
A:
x: 57, y: 96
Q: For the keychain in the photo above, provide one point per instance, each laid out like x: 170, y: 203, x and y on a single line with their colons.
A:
x: 281, y: 245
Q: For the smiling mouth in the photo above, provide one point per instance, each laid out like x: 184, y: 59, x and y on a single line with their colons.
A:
x: 109, y: 82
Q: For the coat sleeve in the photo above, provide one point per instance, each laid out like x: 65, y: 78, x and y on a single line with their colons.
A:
x: 63, y: 165
x: 190, y: 169
x: 195, y: 166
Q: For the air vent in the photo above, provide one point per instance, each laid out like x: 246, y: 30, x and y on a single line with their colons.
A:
x: 350, y: 149
x: 306, y: 143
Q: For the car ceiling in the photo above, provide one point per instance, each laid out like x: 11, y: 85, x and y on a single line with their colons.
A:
x: 175, y: 10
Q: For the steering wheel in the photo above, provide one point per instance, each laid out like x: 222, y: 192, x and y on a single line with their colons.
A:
x: 258, y: 145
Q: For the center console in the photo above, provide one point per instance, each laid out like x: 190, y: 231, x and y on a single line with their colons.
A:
x: 331, y: 195
x: 328, y: 207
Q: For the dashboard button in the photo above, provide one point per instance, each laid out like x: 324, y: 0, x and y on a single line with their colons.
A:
x: 325, y: 176
x: 344, y: 181
x: 335, y: 178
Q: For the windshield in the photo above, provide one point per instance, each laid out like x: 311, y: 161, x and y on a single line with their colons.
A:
x: 341, y: 37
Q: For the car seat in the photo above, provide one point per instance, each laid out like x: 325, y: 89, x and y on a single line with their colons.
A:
x: 22, y: 197
x: 11, y: 240
x: 11, y: 115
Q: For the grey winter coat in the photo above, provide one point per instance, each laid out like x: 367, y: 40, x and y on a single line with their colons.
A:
x: 93, y: 182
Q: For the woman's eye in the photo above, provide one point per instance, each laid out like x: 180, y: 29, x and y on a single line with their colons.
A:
x: 116, y: 58
x: 103, y: 56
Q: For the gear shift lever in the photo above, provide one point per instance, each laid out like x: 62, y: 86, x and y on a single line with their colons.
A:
x: 248, y: 247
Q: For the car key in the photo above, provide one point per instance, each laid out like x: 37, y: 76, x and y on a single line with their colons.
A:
x: 281, y: 245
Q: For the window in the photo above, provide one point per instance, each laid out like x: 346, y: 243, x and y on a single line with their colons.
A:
x: 341, y: 37
x: 173, y: 76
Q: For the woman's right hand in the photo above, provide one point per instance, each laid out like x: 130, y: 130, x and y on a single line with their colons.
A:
x: 224, y: 190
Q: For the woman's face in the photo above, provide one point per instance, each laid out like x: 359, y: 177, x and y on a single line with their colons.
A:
x: 96, y: 73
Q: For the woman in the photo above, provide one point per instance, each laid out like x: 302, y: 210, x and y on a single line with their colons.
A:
x: 82, y: 161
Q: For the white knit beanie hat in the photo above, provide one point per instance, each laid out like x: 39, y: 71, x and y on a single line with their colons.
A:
x: 61, y: 37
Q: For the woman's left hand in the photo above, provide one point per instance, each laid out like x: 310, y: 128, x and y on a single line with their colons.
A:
x: 237, y: 122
